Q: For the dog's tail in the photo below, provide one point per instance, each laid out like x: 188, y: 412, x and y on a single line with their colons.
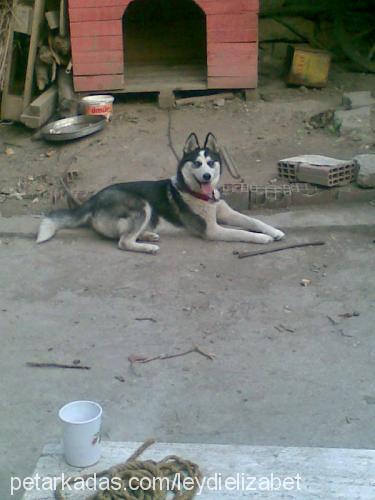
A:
x: 63, y: 219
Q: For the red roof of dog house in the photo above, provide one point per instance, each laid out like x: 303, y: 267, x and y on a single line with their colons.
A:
x: 96, y: 28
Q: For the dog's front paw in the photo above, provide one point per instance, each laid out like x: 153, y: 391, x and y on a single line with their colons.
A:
x: 278, y: 235
x: 264, y: 239
x: 153, y: 249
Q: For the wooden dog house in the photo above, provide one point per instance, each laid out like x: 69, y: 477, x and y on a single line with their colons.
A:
x: 153, y: 45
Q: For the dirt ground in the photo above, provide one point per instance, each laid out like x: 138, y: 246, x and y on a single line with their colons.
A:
x: 134, y: 145
x: 290, y: 369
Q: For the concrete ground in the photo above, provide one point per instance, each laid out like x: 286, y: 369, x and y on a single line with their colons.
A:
x: 284, y: 374
x: 290, y: 369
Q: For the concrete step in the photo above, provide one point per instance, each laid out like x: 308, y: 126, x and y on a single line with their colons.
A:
x: 244, y: 471
x: 338, y: 216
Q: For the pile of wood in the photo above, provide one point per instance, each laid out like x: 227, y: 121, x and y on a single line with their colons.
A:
x: 53, y: 61
x: 5, y: 19
x: 36, y: 61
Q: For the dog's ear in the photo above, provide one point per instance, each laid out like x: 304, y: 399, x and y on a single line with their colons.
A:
x: 191, y: 143
x: 211, y: 143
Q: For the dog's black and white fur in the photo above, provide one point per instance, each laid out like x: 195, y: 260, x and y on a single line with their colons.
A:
x: 131, y: 211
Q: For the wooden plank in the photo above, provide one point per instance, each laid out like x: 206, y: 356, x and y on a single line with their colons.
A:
x: 233, y: 35
x: 226, y: 28
x: 97, y: 43
x: 116, y: 6
x: 11, y: 106
x: 225, y: 7
x: 96, y: 13
x: 245, y: 471
x: 38, y: 18
x: 41, y: 109
x: 98, y: 57
x: 76, y: 4
x: 63, y: 25
x: 98, y: 68
x: 154, y: 78
x: 232, y: 59
x: 209, y: 6
x: 158, y: 85
x: 243, y: 20
x: 233, y: 82
x: 23, y: 18
x: 98, y: 82
x: 169, y: 72
x: 96, y: 28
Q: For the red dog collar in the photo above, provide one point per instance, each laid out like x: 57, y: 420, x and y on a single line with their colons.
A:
x: 204, y: 197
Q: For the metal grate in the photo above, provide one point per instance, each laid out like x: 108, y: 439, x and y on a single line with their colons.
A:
x: 282, y: 195
x: 238, y: 187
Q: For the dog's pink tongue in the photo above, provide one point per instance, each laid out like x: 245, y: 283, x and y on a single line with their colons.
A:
x: 206, y: 188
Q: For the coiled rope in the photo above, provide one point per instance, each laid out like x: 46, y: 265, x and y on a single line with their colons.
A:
x: 144, y: 480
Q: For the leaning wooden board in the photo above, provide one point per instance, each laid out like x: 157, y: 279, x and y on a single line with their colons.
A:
x: 13, y: 104
x: 325, y: 473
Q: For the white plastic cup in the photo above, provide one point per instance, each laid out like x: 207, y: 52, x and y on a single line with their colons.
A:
x: 81, y: 432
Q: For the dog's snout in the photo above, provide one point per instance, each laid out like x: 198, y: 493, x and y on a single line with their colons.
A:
x: 207, y: 177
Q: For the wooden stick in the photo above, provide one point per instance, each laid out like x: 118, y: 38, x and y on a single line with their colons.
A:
x: 195, y: 348
x: 204, y: 98
x: 38, y: 18
x: 63, y: 18
x: 204, y: 353
x: 57, y: 365
x: 242, y: 255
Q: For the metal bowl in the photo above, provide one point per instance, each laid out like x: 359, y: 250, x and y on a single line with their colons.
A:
x: 73, y: 128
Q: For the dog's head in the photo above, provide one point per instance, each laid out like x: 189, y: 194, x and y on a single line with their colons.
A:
x: 200, y: 168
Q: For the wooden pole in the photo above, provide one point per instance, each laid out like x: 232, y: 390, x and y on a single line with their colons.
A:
x: 38, y: 18
x: 242, y: 255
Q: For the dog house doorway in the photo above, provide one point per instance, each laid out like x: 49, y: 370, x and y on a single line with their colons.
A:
x: 164, y: 45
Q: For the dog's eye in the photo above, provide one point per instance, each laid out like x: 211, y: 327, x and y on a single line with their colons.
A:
x: 211, y: 163
x: 197, y: 164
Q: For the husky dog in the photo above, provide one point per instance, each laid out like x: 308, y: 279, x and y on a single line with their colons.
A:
x: 131, y: 211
